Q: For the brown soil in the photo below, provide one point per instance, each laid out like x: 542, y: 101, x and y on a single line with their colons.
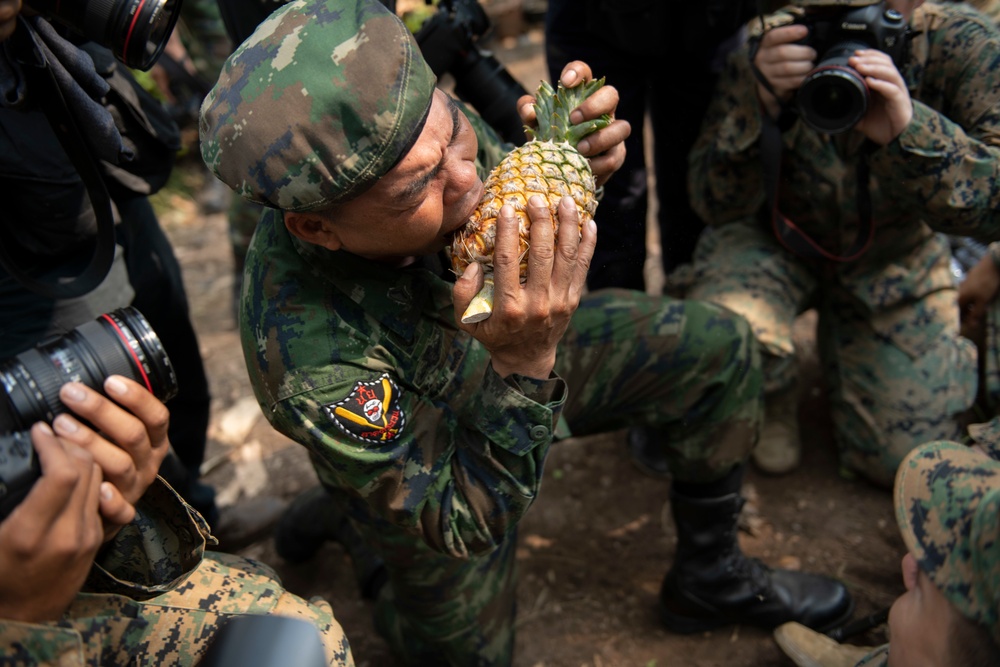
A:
x: 595, y: 546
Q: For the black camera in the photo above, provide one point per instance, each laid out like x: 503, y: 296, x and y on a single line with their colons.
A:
x: 448, y: 41
x: 834, y: 96
x: 135, y: 30
x: 116, y: 343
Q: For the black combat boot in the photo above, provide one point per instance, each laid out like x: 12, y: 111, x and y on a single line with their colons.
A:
x: 713, y: 584
x: 316, y: 517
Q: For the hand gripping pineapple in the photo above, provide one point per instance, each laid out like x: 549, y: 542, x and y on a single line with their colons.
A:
x: 548, y: 165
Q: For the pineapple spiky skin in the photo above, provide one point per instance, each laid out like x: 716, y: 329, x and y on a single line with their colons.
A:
x: 548, y: 165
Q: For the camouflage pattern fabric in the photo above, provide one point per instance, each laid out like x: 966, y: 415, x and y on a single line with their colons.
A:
x: 156, y: 598
x: 320, y: 135
x: 896, y: 368
x: 947, y: 500
x: 364, y: 365
x: 833, y: 3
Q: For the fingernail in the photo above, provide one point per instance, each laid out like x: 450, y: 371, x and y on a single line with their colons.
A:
x: 536, y: 200
x: 115, y: 386
x: 576, y: 117
x: 45, y: 428
x: 73, y: 392
x: 568, y: 78
x: 583, y: 146
x: 525, y: 110
x: 592, y: 225
x: 106, y: 491
x: 507, y: 211
x: 65, y: 424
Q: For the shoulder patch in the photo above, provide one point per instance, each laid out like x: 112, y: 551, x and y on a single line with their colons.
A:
x: 371, y: 412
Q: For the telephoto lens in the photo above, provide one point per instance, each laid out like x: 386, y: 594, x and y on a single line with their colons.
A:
x: 116, y: 343
x: 135, y: 30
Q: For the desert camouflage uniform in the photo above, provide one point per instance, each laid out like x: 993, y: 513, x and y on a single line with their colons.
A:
x: 897, y: 371
x: 155, y: 597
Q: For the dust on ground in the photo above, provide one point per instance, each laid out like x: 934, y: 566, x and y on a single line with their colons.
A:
x: 595, y: 546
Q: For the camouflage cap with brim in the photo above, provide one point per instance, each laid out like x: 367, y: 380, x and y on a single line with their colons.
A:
x: 947, y: 500
x: 316, y: 105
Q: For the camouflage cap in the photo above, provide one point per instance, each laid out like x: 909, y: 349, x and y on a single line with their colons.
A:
x: 947, y: 499
x: 316, y: 105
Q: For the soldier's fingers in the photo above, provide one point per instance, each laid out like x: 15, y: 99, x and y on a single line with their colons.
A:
x: 574, y: 72
x: 605, y: 139
x: 542, y: 244
x: 602, y: 101
x: 585, y: 253
x: 466, y: 287
x: 506, y: 257
x: 568, y: 244
x: 526, y: 109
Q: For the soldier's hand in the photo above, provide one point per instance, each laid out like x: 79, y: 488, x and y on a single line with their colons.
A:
x: 49, y: 541
x: 606, y: 147
x: 129, y: 443
x: 529, y: 320
x: 784, y: 64
x: 891, y: 108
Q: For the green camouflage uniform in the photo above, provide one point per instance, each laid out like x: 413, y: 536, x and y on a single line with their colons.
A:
x: 896, y: 369
x: 947, y: 500
x: 155, y: 597
x: 364, y: 365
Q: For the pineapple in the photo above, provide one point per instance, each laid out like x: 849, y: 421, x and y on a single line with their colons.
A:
x: 548, y: 165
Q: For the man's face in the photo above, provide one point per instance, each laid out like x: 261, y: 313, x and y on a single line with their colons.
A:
x: 429, y: 194
x: 919, y: 622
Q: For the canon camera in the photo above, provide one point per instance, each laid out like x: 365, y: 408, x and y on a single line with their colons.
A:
x: 834, y: 96
x: 135, y: 30
x: 116, y: 343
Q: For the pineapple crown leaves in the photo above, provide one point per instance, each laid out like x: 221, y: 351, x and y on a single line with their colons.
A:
x: 552, y: 109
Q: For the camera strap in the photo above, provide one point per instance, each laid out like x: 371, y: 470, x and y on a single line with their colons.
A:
x: 788, y: 234
x: 48, y: 97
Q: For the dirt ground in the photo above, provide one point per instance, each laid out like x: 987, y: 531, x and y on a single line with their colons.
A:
x: 596, y: 544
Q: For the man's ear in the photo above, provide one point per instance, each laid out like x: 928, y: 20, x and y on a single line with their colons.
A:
x: 312, y: 228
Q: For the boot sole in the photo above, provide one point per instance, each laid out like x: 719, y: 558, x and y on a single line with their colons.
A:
x: 685, y: 625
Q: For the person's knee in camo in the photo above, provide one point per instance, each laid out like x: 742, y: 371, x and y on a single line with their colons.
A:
x: 434, y: 434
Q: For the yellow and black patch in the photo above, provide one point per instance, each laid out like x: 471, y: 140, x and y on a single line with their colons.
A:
x: 371, y: 412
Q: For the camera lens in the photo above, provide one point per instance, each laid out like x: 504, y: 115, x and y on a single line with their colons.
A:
x: 135, y: 30
x: 833, y: 97
x: 116, y: 343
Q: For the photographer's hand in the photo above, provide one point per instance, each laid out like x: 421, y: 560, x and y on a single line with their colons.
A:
x: 891, y: 108
x: 784, y: 64
x: 606, y: 147
x: 49, y: 541
x: 132, y: 442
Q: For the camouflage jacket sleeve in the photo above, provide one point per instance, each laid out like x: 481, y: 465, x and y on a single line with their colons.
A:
x: 945, y: 166
x: 944, y: 169
x: 363, y: 364
x: 165, y: 542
